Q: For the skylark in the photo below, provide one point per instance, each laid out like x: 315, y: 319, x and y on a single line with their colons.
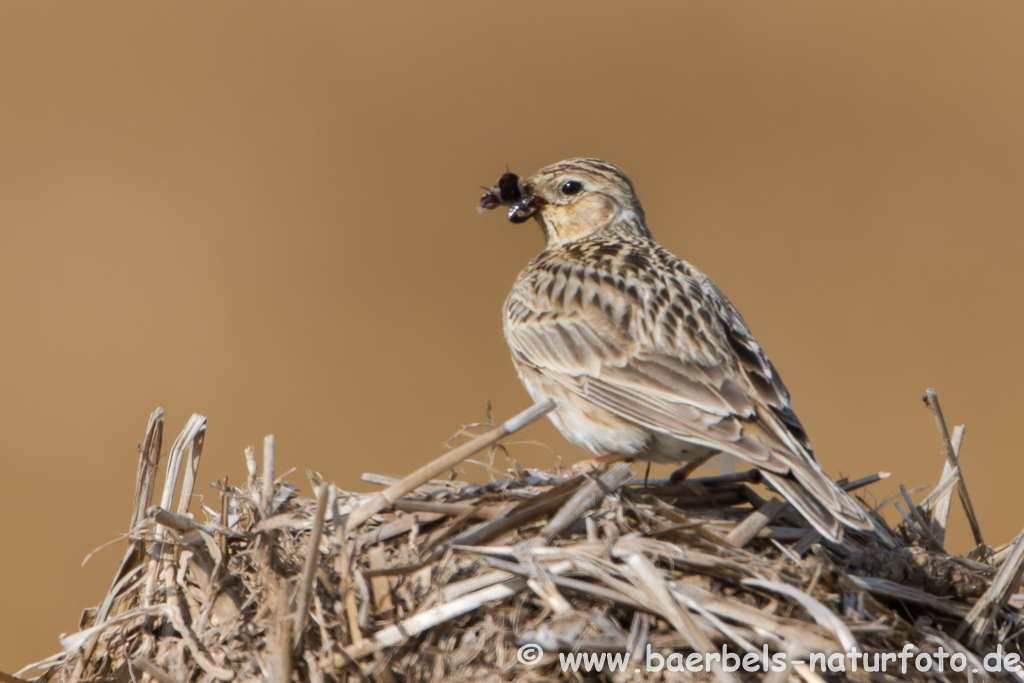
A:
x: 645, y: 356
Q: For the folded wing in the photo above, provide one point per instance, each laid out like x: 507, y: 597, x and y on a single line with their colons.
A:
x: 696, y: 375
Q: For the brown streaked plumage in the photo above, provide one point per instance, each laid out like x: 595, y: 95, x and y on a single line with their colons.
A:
x: 644, y: 354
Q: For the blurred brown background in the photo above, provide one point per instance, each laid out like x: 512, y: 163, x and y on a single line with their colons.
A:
x: 265, y: 214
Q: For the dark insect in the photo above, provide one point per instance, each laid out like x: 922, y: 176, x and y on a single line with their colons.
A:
x: 505, y: 192
x: 489, y: 200
x: 508, y: 186
x: 524, y: 208
x: 509, y: 191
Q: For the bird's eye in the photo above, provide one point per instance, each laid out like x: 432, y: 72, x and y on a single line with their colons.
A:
x: 571, y: 187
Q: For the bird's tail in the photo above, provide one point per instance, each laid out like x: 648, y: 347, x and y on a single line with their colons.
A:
x: 822, y: 503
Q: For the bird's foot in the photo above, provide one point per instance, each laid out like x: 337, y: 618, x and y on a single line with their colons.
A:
x: 680, y: 475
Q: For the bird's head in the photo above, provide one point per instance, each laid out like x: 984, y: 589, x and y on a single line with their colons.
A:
x: 571, y: 200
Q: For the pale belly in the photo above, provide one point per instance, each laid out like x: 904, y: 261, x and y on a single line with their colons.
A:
x: 603, y: 433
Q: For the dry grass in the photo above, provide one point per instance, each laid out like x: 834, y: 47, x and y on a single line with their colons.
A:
x: 440, y: 579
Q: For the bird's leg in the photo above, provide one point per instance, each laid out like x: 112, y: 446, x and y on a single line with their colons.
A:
x: 686, y: 470
x: 594, y: 463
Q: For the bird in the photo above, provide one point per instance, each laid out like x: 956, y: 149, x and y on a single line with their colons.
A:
x: 643, y: 354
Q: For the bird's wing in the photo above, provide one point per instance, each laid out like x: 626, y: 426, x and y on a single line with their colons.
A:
x: 675, y: 357
x: 663, y: 391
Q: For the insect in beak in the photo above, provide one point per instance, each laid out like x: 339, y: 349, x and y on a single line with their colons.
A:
x: 513, y: 192
x: 524, y: 208
x: 507, y: 191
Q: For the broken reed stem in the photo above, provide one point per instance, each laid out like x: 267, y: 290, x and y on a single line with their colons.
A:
x: 149, y: 460
x: 1007, y: 580
x: 865, y: 481
x: 225, y: 494
x: 343, y: 565
x: 915, y: 514
x: 755, y: 521
x: 585, y: 498
x: 312, y: 555
x: 195, y: 425
x: 268, y: 475
x: 251, y: 468
x: 195, y: 450
x: 940, y: 508
x: 932, y: 401
x: 393, y: 493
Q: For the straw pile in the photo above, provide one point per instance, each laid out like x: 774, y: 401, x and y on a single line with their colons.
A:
x: 434, y: 578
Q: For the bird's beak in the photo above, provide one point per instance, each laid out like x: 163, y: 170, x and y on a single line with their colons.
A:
x: 528, y: 205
